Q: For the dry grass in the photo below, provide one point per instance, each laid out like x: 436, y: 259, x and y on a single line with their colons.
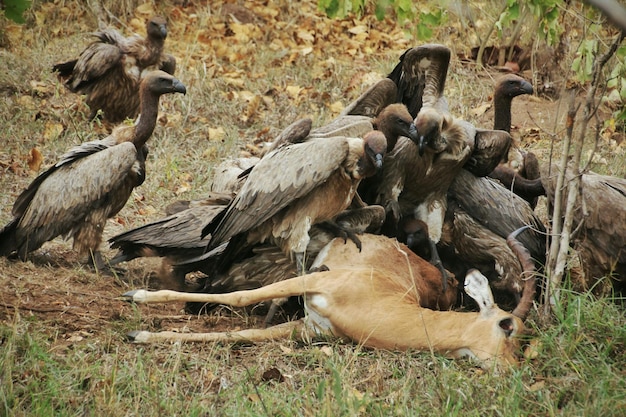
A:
x: 61, y: 330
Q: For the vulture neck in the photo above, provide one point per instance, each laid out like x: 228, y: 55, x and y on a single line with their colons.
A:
x: 148, y: 113
x: 502, y: 112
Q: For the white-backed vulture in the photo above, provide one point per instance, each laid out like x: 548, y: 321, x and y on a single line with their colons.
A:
x: 520, y: 172
x: 293, y: 188
x: 90, y: 184
x: 599, y: 226
x: 110, y: 69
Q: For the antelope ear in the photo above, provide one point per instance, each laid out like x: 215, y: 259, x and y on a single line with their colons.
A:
x: 507, y: 325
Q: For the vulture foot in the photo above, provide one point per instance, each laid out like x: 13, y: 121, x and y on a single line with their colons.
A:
x: 342, y: 232
x: 276, y: 303
x: 99, y: 265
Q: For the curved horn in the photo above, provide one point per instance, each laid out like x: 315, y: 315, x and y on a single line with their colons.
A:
x: 528, y: 268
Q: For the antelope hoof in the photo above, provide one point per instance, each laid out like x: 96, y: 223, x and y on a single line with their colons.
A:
x: 138, y: 336
x: 135, y: 296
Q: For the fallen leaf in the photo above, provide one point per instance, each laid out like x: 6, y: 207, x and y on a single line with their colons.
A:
x: 216, y: 134
x: 52, y: 130
x: 286, y: 350
x: 327, y: 350
x: 357, y: 30
x: 293, y: 91
x: 480, y: 110
x: 336, y: 107
x: 35, y: 159
x: 272, y: 374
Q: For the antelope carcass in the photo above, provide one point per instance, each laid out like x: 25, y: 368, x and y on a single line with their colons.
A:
x: 374, y: 307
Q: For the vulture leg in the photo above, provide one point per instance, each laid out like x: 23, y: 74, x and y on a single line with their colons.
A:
x: 97, y: 262
x: 435, y: 260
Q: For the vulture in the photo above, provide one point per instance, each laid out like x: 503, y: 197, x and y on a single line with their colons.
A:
x: 110, y: 69
x: 416, y: 176
x: 479, y: 217
x: 292, y: 188
x: 599, y: 225
x: 89, y: 184
x: 521, y: 172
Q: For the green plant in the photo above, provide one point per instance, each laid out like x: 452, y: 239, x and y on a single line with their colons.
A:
x: 14, y: 9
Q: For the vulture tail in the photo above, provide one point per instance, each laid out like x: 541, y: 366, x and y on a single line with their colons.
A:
x: 8, y: 240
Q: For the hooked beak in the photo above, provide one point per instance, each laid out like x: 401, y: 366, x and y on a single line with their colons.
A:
x: 378, y: 162
x: 163, y: 30
x: 421, y: 145
x: 413, y: 135
x: 179, y: 87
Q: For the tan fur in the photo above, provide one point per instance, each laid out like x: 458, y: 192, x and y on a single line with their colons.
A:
x: 364, y: 305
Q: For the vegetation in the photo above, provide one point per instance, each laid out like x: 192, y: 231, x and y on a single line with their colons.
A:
x: 62, y: 349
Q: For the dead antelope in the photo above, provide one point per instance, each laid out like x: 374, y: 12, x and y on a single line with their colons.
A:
x: 374, y: 307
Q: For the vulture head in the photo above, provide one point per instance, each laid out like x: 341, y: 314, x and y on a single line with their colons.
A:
x: 156, y: 28
x: 374, y: 149
x: 512, y: 85
x: 429, y: 124
x: 507, y: 88
x: 395, y: 121
x: 160, y: 82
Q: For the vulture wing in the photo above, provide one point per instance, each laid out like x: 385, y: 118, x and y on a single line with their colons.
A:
x: 279, y: 178
x: 498, y: 209
x: 97, y: 59
x: 491, y: 147
x: 63, y: 196
x: 74, y: 154
x: 174, y: 234
x: 421, y: 76
x: 373, y: 100
x: 601, y: 209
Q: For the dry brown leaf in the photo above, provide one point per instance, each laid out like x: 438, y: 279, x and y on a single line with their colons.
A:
x: 294, y: 91
x: 216, y: 134
x: 35, y: 159
x: 145, y: 9
x: 52, y: 130
x: 336, y: 107
x: 327, y: 350
x: 480, y: 110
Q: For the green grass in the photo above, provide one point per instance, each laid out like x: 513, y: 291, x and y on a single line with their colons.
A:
x: 579, y: 370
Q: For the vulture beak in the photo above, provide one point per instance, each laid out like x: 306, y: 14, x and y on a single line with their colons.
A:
x: 378, y: 162
x: 421, y: 145
x: 179, y: 87
x: 413, y: 135
x: 526, y: 87
x: 163, y: 30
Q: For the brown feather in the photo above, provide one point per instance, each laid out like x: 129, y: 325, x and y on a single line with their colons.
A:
x: 110, y: 70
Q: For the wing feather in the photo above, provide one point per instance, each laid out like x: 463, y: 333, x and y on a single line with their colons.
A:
x: 97, y: 59
x: 498, y: 209
x: 491, y: 147
x: 279, y: 178
x: 70, y: 191
x: 421, y: 75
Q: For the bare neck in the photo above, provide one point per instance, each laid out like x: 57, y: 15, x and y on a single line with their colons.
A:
x: 147, y: 119
x: 502, y: 113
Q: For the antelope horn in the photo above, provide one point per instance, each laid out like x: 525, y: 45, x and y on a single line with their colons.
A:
x: 528, y: 268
